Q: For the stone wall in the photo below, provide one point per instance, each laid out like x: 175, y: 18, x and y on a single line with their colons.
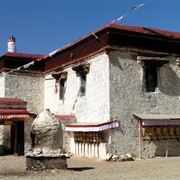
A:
x: 2, y: 92
x: 127, y: 97
x: 28, y: 87
x: 163, y: 148
x: 94, y: 106
x: 2, y: 85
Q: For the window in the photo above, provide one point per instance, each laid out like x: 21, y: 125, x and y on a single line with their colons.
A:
x: 62, y: 88
x: 150, y: 71
x: 60, y: 85
x: 82, y: 85
x: 81, y: 72
x: 151, y: 79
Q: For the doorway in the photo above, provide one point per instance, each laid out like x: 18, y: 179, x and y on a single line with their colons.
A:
x: 17, y: 138
x: 13, y: 140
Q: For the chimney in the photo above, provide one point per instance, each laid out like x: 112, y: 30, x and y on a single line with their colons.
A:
x: 11, y: 44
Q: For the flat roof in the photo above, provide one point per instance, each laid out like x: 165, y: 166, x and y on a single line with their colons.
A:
x: 137, y: 29
x: 24, y: 55
x: 157, y: 116
x: 11, y: 100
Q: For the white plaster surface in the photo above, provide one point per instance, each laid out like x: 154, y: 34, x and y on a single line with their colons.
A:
x: 94, y: 106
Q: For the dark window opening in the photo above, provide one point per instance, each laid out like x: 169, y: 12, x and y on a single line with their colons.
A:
x: 83, y: 84
x: 62, y: 88
x: 151, y: 79
x: 60, y: 85
x: 151, y: 73
x: 81, y: 72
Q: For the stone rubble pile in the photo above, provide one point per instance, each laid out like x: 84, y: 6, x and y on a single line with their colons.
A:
x: 115, y: 158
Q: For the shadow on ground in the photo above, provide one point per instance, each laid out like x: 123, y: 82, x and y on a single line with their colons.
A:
x: 80, y: 168
x: 12, y: 173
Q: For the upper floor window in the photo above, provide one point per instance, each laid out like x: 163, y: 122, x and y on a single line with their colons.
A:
x: 151, y: 68
x: 82, y: 90
x: 81, y: 72
x: 60, y: 85
x: 62, y: 88
x: 151, y: 79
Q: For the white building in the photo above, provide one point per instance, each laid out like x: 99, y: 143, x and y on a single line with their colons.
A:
x: 121, y: 83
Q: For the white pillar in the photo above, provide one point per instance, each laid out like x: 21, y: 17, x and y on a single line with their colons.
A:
x: 76, y: 149
x: 80, y: 149
x: 139, y: 139
x: 90, y: 149
x: 96, y: 150
x: 86, y: 150
x: 93, y: 150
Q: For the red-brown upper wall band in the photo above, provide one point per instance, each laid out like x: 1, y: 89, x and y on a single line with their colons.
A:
x: 106, y: 36
x: 127, y: 36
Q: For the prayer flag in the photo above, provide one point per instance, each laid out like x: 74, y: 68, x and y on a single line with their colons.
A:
x: 137, y: 7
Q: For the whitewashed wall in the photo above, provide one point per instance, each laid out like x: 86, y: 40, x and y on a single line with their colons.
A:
x: 94, y: 106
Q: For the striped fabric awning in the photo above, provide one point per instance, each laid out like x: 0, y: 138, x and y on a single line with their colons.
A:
x: 91, y: 126
x: 14, y: 114
x: 158, y: 119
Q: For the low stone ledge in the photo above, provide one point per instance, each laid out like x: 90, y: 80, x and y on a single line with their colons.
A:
x: 43, y: 163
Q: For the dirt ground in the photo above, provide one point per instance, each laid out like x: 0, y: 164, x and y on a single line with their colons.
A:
x: 14, y: 167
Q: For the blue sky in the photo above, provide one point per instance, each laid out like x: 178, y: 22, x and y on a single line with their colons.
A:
x: 42, y: 26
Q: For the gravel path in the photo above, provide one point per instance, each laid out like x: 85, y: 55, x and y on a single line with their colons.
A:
x: 13, y: 167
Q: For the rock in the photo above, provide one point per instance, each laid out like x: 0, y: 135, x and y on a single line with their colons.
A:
x: 115, y: 158
x: 126, y: 157
x: 109, y: 157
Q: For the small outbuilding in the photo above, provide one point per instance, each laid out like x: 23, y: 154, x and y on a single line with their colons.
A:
x: 13, y: 119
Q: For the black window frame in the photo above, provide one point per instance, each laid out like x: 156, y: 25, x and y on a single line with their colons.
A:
x: 151, y: 76
x: 62, y: 83
x: 82, y: 90
x: 151, y: 68
x: 81, y: 72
